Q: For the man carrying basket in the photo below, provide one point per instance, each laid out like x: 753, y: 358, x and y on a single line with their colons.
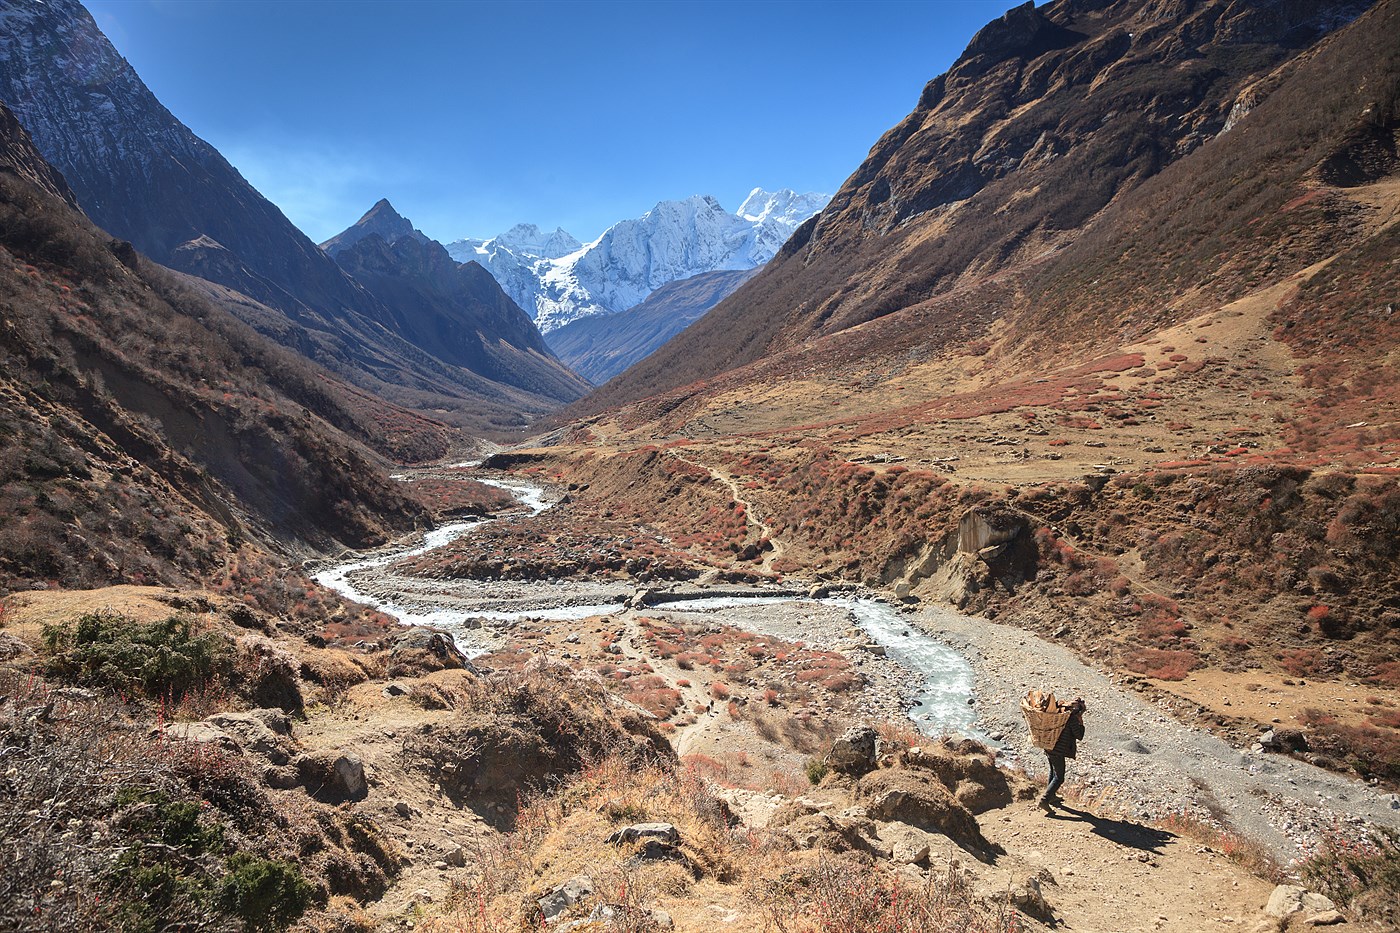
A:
x: 1055, y: 727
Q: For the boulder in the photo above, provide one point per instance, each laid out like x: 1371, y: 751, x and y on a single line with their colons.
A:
x: 665, y: 832
x: 642, y: 598
x: 1317, y: 902
x: 1289, y: 899
x: 332, y: 775
x: 12, y: 647
x: 1326, y: 919
x: 921, y: 800
x: 907, y: 845
x: 856, y: 752
x: 566, y: 895
x: 1284, y: 740
x: 422, y: 650
x: 203, y: 733
x: 253, y: 733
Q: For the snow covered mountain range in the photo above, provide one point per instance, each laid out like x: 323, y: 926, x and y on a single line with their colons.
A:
x: 556, y: 279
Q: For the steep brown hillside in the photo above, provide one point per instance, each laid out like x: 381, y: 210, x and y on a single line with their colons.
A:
x: 147, y: 433
x: 1051, y: 115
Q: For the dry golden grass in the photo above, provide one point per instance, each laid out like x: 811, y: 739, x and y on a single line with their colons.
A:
x: 752, y: 878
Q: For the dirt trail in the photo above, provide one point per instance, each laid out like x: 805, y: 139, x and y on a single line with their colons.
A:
x: 1140, y: 761
x: 777, y: 549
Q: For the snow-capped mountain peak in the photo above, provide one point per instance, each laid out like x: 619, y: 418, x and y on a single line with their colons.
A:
x: 557, y: 280
x: 530, y: 240
x: 786, y: 204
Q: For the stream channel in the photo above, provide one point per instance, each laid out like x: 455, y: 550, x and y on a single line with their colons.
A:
x: 938, y: 698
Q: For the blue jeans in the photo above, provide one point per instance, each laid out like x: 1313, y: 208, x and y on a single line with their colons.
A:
x: 1057, y: 773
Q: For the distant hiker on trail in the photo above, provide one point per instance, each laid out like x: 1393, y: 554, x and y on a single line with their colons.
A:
x: 1057, y: 728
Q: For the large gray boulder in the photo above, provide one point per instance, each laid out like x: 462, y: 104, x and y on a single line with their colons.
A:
x: 856, y: 752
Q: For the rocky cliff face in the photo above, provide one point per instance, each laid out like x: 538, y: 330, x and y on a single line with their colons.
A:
x: 1050, y: 116
x: 137, y: 171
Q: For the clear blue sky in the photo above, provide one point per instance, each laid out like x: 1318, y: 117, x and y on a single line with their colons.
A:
x: 471, y: 117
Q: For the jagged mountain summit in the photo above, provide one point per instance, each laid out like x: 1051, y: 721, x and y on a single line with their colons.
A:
x: 456, y: 309
x: 382, y: 221
x: 674, y: 240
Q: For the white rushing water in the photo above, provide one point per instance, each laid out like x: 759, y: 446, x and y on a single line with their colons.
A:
x: 338, y: 578
x: 942, y: 703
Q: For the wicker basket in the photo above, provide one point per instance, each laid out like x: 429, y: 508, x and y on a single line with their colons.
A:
x: 1045, y: 726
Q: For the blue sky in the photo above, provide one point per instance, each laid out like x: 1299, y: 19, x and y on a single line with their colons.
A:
x: 471, y: 117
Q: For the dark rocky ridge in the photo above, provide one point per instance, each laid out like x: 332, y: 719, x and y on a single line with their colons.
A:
x: 381, y: 220
x: 455, y: 309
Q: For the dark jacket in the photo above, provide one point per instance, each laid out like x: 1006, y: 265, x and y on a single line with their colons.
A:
x: 1067, y: 744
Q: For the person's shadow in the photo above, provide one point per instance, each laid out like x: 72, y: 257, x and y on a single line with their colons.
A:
x: 1123, y: 832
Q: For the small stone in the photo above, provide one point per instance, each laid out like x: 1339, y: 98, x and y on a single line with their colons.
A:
x: 1326, y: 919
x: 665, y: 832
x: 403, y: 809
x: 565, y: 896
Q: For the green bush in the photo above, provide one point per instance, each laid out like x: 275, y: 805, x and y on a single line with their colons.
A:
x: 268, y: 894
x: 173, y: 867
x: 162, y: 873
x: 816, y: 770
x: 158, y: 660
